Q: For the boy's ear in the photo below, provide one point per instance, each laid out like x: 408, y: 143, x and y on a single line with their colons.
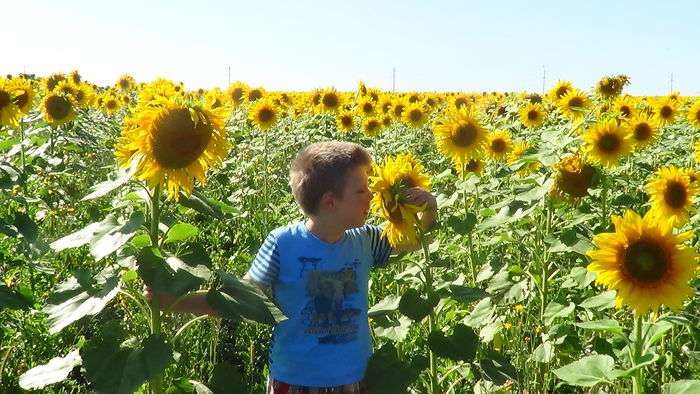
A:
x: 327, y: 200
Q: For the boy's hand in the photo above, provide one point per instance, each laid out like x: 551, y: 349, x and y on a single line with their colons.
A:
x: 420, y: 197
x: 164, y: 300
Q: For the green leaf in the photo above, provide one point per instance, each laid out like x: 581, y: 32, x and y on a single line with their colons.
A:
x: 682, y: 387
x: 555, y: 310
x: 396, y: 332
x: 181, y: 232
x: 502, y: 217
x: 653, y: 333
x: 227, y: 379
x: 544, y: 353
x: 103, y: 188
x: 386, y: 374
x: 605, y: 300
x: 56, y: 370
x: 82, y: 236
x: 390, y: 303
x: 12, y: 299
x: 467, y: 295
x: 579, y: 277
x: 203, y: 205
x: 241, y: 300
x: 413, y: 306
x: 589, y: 371
x: 108, y: 241
x: 497, y: 368
x: 645, y: 360
x: 460, y: 346
x: 462, y: 225
x: 606, y: 325
x: 112, y: 368
x: 481, y: 314
x: 169, y: 275
x: 79, y: 296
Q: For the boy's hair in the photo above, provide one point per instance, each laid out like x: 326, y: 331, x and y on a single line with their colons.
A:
x: 322, y: 167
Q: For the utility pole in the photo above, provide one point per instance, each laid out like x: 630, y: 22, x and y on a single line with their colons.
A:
x: 544, y: 77
x: 671, y: 82
x: 393, y: 80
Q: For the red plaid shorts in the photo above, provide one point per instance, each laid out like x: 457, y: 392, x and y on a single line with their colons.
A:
x: 277, y: 387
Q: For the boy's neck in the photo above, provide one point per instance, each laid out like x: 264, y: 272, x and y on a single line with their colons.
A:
x: 325, y: 230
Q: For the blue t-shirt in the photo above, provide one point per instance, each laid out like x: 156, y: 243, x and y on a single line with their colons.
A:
x: 322, y: 289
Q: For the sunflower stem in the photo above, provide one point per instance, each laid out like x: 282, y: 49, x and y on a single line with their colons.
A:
x: 434, y: 378
x: 21, y: 152
x: 156, y: 383
x: 638, y: 377
x: 470, y: 240
x: 604, y: 203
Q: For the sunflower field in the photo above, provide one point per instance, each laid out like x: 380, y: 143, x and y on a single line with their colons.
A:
x: 565, y: 258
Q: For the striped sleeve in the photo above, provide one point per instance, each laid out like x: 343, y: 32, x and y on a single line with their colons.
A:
x: 379, y: 246
x: 266, y: 265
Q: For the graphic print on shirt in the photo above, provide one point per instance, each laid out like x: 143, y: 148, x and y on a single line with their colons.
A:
x: 329, y: 313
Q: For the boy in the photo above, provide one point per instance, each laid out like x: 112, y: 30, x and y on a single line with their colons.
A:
x: 318, y: 272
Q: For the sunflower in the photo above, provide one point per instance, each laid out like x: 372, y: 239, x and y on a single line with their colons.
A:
x: 371, y: 126
x: 460, y: 100
x: 610, y: 87
x: 174, y: 143
x: 460, y: 135
x: 645, y: 262
x: 216, y: 98
x: 254, y: 94
x: 58, y: 108
x: 66, y: 87
x: 388, y: 184
x: 474, y: 166
x: 157, y: 90
x: 607, y: 142
x: 345, y: 121
x: 693, y: 175
x: 237, y: 92
x: 559, y: 90
x: 671, y: 195
x: 75, y: 77
x: 330, y: 101
x: 84, y: 94
x: 397, y: 107
x: 532, y: 115
x: 697, y: 152
x: 499, y: 145
x: 111, y: 103
x: 573, y: 178
x: 665, y: 110
x: 694, y: 114
x: 387, y: 120
x: 52, y: 80
x: 624, y: 106
x: 574, y: 104
x: 385, y: 104
x: 264, y: 113
x: 366, y: 107
x: 23, y: 93
x: 414, y: 115
x: 10, y: 112
x: 125, y: 83
x: 643, y: 128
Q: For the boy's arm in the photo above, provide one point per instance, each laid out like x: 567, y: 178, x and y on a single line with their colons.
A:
x: 194, y: 303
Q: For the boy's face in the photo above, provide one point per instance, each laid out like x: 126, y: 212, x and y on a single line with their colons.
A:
x: 353, y: 207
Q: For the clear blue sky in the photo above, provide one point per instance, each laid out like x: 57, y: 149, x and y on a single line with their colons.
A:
x: 301, y: 45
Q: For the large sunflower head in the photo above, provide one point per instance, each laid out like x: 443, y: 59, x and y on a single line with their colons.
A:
x: 216, y: 98
x: 473, y: 166
x: 58, y: 108
x: 255, y: 94
x: 518, y: 151
x: 10, y: 112
x: 23, y: 94
x: 573, y: 178
x: 460, y: 100
x: 111, y: 103
x: 606, y: 143
x: 125, y: 83
x: 672, y: 195
x: 574, y: 104
x: 264, y: 113
x: 366, y: 107
x: 173, y: 144
x: 624, y: 106
x: 237, y: 93
x: 460, y: 136
x: 415, y: 115
x: 499, y: 145
x: 643, y: 129
x: 397, y: 106
x: 645, y: 262
x: 694, y: 114
x: 610, y: 87
x: 665, y: 110
x: 559, y: 90
x: 389, y: 183
x: 371, y: 126
x: 532, y: 115
x: 329, y: 101
x: 157, y: 90
x: 52, y: 80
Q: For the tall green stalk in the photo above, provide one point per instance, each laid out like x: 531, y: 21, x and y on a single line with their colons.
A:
x: 638, y: 377
x: 470, y: 237
x: 429, y: 290
x: 156, y: 384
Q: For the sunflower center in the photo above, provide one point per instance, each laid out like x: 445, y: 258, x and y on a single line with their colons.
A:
x: 498, y: 145
x: 666, y: 112
x: 625, y: 110
x: 473, y: 165
x: 254, y: 94
x: 266, y: 114
x: 58, y: 107
x: 346, y: 121
x: 367, y: 108
x: 464, y: 135
x: 646, y: 261
x: 112, y: 104
x: 237, y: 94
x: 675, y: 195
x: 642, y: 132
x: 576, y: 102
x: 372, y: 125
x: 124, y: 84
x: 395, y: 215
x: 398, y: 109
x: 416, y: 115
x: 4, y: 99
x: 533, y: 114
x: 330, y: 100
x: 177, y: 141
x: 461, y: 101
x: 20, y: 100
x: 609, y: 143
x: 562, y: 91
x: 697, y: 116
